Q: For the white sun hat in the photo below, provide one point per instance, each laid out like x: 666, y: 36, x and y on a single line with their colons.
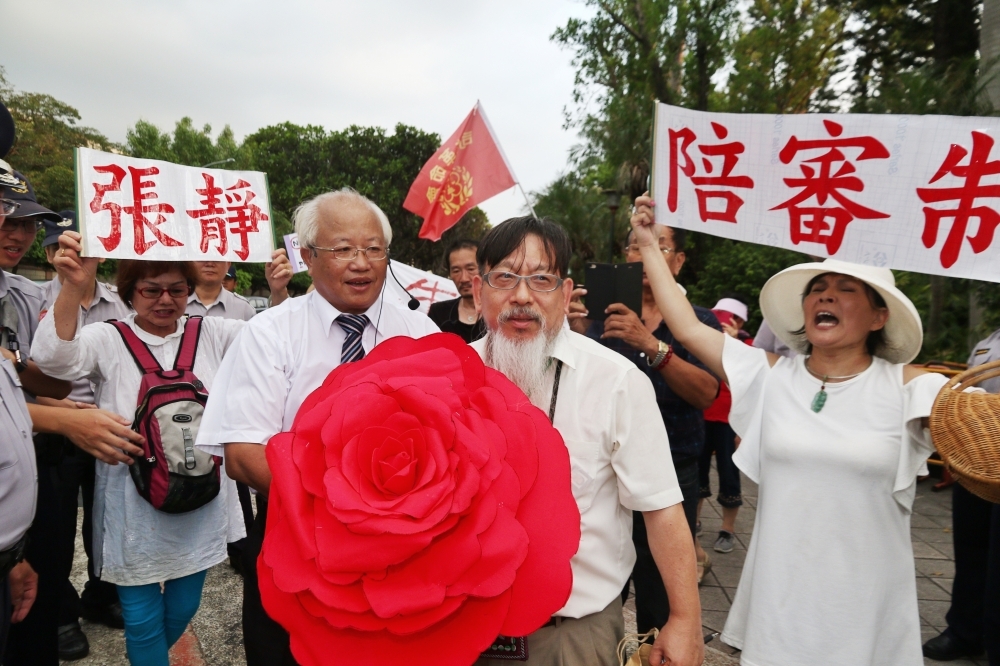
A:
x: 781, y: 305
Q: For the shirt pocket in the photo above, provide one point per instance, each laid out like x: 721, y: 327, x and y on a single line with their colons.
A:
x: 583, y: 462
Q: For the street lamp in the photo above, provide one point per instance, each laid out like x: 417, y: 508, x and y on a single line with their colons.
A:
x: 225, y: 161
x: 611, y: 200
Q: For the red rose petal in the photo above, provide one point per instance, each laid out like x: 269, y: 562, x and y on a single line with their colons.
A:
x: 344, y: 550
x: 504, y: 547
x: 545, y: 579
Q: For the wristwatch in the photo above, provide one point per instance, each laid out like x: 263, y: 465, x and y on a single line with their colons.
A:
x: 662, y: 350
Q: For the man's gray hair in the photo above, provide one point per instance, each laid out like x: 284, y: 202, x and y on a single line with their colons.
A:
x: 306, y: 216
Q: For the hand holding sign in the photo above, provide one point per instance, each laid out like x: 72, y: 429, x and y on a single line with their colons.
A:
x: 71, y: 267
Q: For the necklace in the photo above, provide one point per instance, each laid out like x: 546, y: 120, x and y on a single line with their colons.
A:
x: 468, y: 318
x: 819, y: 400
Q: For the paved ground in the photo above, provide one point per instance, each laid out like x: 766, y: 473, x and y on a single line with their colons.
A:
x: 215, y: 637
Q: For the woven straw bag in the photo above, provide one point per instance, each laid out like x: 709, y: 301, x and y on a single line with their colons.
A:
x: 965, y: 428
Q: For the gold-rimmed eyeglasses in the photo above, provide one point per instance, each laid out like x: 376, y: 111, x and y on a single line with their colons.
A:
x: 350, y: 252
x: 634, y: 249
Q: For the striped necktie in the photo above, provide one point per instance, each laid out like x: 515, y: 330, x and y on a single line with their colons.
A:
x: 354, y: 326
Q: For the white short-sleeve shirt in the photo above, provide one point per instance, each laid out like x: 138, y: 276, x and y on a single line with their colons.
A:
x: 619, y: 456
x: 282, y: 356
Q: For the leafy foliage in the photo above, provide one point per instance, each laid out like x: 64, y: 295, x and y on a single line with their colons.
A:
x: 47, y: 133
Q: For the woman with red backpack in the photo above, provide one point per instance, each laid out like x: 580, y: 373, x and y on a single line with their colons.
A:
x: 166, y: 515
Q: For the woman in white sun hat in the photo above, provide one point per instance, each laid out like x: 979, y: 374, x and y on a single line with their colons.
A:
x: 835, y: 438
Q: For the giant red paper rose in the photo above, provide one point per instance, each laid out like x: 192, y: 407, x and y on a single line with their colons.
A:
x: 419, y: 507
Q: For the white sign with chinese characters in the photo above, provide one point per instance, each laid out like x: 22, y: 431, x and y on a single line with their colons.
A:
x: 426, y: 287
x: 131, y: 208
x: 916, y: 193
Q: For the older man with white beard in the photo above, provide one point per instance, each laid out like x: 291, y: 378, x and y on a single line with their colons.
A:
x: 605, y: 410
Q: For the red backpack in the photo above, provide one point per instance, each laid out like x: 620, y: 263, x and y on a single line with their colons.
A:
x: 172, y: 474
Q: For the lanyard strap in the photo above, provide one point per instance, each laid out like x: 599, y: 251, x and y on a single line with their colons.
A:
x: 555, y: 392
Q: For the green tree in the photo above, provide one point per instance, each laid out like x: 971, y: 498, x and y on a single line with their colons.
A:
x: 784, y: 61
x: 303, y: 161
x: 577, y: 204
x: 47, y: 132
x: 187, y: 145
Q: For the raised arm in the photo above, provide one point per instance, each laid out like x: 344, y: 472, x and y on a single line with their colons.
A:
x: 77, y: 274
x: 703, y: 341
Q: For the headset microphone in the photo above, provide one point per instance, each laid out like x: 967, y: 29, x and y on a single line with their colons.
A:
x: 413, y: 304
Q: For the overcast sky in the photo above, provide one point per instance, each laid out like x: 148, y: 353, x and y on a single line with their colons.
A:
x: 251, y: 63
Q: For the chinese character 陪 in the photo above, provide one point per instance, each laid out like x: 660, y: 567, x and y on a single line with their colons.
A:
x: 244, y: 217
x: 211, y: 215
x: 964, y: 197
x: 822, y: 223
x: 680, y: 141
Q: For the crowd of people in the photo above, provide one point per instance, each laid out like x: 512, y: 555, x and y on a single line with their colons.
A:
x: 821, y: 409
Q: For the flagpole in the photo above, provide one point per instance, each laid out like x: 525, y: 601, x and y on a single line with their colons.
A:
x: 527, y: 200
x: 479, y: 109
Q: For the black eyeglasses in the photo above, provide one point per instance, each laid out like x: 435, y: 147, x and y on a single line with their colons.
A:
x: 539, y: 282
x: 154, y: 293
x: 29, y: 225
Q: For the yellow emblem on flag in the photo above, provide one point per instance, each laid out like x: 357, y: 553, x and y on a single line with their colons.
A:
x: 438, y: 173
x: 456, y: 190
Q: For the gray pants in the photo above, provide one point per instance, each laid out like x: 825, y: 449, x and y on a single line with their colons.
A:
x: 588, y: 641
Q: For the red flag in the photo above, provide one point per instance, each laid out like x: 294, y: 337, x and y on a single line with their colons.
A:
x: 468, y: 169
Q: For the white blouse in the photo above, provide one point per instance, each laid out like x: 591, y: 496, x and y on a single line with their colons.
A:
x: 829, y: 574
x: 134, y: 544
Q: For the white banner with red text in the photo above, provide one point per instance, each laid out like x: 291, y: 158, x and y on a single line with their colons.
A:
x: 915, y: 193
x: 131, y: 208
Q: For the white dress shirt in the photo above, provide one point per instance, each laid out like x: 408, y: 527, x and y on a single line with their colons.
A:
x: 283, y: 355
x: 134, y: 543
x: 619, y: 456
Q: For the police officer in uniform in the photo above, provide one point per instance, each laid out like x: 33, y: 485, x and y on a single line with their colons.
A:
x: 18, y: 581
x: 974, y: 616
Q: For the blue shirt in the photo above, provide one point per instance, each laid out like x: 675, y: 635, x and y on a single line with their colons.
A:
x: 685, y: 423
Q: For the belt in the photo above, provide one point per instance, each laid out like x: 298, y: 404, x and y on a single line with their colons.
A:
x: 12, y: 556
x: 555, y: 621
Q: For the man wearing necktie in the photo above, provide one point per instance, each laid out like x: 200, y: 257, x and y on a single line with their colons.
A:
x: 287, y: 351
